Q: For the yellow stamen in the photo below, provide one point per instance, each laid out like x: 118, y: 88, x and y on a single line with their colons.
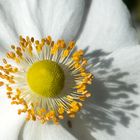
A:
x: 52, y: 82
x: 1, y: 83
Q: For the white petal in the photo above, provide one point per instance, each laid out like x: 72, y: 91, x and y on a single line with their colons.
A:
x: 60, y: 19
x: 113, y: 111
x: 38, y: 131
x: 10, y: 121
x: 107, y: 26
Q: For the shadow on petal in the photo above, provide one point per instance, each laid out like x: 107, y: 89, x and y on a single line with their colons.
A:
x: 20, y: 135
x: 111, y: 102
x: 84, y: 18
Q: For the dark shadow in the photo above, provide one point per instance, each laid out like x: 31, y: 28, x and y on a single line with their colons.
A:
x: 110, y: 104
x: 84, y: 18
x: 20, y: 135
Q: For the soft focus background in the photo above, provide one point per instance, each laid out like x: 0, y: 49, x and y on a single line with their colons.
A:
x: 134, y: 7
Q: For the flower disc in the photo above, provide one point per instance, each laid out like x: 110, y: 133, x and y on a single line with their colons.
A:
x: 46, y: 78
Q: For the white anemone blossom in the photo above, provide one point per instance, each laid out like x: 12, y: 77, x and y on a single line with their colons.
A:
x: 103, y: 29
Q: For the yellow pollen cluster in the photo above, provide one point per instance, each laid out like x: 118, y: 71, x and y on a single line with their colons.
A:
x: 26, y: 54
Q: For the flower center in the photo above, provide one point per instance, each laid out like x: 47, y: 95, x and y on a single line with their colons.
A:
x: 45, y: 90
x: 46, y: 78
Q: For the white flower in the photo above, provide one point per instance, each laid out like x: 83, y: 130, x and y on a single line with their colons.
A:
x: 103, y: 29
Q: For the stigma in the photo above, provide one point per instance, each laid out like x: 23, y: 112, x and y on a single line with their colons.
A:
x: 46, y: 78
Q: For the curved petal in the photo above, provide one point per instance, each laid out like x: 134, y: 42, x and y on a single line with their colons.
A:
x: 15, y: 20
x: 113, y: 111
x: 60, y: 19
x: 107, y: 26
x: 10, y: 121
x: 38, y: 131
